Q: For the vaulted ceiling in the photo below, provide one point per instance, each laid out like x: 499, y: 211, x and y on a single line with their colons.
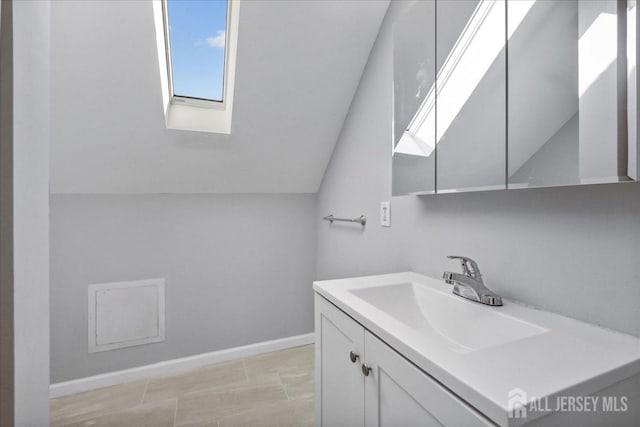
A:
x: 298, y: 66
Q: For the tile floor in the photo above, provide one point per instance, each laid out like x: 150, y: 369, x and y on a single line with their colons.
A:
x: 272, y: 389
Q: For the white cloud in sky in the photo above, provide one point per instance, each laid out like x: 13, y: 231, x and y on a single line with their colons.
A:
x: 218, y: 40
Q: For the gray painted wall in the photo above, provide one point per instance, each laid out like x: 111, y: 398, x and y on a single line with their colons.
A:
x: 570, y: 250
x: 238, y: 267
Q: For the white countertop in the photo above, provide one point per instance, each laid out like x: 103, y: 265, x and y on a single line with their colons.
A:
x: 569, y: 358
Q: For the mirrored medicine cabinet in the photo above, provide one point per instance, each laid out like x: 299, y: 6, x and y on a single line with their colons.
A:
x: 495, y: 94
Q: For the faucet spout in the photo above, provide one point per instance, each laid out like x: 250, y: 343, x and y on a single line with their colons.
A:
x: 469, y: 284
x: 448, y: 278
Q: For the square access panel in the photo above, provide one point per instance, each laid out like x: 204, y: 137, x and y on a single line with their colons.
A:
x: 125, y: 314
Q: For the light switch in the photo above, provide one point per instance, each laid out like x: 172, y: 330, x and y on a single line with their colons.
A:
x: 385, y: 214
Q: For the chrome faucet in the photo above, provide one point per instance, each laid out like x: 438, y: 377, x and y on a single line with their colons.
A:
x: 469, y: 284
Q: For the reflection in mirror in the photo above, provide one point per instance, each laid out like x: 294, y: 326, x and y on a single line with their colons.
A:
x: 567, y: 92
x: 471, y: 101
x: 414, y: 99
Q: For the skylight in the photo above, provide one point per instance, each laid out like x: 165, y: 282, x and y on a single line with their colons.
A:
x: 197, y: 41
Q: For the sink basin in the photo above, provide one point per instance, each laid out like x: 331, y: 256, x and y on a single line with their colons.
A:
x: 462, y: 325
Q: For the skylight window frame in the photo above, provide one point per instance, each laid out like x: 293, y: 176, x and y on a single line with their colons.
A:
x: 194, y: 100
x: 191, y: 113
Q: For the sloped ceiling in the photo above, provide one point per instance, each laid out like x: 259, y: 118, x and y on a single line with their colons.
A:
x: 299, y: 64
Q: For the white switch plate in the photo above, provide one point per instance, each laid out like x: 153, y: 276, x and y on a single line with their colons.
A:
x: 385, y: 214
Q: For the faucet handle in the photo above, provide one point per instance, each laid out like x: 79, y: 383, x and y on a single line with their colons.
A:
x: 469, y: 267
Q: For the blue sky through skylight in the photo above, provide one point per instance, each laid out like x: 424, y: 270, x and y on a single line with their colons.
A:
x: 197, y: 31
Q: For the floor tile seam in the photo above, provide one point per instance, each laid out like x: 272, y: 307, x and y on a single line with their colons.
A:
x: 92, y: 416
x: 284, y: 387
x: 213, y: 389
x: 144, y: 392
x: 234, y: 388
x: 246, y: 371
x: 175, y: 412
x: 258, y: 407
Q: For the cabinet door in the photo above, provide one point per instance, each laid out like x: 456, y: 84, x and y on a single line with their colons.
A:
x: 339, y: 381
x: 399, y: 394
x: 471, y: 95
x: 414, y: 78
x: 566, y: 108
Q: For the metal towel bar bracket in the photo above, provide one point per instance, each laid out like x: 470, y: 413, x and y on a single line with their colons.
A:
x: 362, y: 220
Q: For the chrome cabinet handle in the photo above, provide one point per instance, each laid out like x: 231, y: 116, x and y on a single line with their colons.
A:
x: 353, y: 356
x: 366, y: 369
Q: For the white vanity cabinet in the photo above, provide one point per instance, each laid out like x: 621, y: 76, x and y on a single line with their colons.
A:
x: 361, y: 381
x: 401, y: 350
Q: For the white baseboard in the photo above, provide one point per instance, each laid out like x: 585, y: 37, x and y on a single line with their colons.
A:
x: 175, y: 365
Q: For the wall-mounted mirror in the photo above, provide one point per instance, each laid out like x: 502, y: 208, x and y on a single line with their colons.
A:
x: 567, y: 92
x: 471, y: 99
x: 529, y: 93
x: 414, y: 156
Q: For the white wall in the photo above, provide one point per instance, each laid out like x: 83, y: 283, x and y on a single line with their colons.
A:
x: 239, y: 270
x: 570, y: 250
x: 298, y: 65
x: 31, y: 108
